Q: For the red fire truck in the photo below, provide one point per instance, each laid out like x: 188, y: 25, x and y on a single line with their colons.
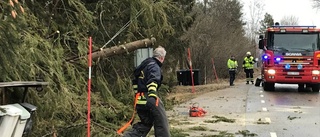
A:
x: 291, y: 56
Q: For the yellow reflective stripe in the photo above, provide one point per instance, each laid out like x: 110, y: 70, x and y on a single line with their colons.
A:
x: 135, y: 86
x: 142, y: 102
x: 152, y: 89
x: 141, y: 97
x: 152, y: 95
x: 142, y: 75
x: 152, y: 84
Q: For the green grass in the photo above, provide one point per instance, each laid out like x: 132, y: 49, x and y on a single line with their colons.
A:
x: 199, y: 128
x: 178, y: 133
x: 220, y: 119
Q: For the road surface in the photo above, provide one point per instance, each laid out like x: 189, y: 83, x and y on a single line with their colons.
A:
x: 281, y: 113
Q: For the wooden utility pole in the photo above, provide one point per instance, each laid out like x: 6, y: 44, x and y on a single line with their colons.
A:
x: 116, y: 50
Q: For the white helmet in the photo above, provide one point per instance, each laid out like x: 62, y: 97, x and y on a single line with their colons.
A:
x: 248, y: 53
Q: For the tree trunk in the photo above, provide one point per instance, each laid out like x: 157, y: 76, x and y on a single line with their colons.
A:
x: 116, y: 50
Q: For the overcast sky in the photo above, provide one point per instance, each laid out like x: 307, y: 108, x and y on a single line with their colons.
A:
x: 302, y: 9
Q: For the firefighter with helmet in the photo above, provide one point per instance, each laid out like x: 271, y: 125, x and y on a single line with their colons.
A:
x: 248, y: 64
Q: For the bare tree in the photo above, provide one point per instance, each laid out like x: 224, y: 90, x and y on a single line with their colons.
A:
x: 289, y: 20
x: 256, y: 8
x: 316, y: 4
x: 215, y: 36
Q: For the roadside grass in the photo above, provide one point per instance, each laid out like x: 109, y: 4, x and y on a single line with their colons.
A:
x: 246, y: 133
x: 219, y: 119
x: 199, y: 128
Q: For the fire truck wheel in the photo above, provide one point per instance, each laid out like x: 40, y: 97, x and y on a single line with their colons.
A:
x: 315, y: 88
x: 268, y: 86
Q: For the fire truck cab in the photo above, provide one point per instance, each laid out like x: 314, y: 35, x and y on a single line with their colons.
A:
x: 291, y: 56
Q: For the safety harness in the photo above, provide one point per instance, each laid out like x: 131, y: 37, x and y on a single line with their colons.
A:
x: 131, y: 120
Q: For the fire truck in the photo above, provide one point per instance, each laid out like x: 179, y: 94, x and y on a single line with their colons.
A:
x: 291, y: 56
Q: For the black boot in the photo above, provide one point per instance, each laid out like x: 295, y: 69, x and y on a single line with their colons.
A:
x: 252, y: 82
x: 247, y: 82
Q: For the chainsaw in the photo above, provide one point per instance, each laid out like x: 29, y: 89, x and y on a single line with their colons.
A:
x: 196, y: 111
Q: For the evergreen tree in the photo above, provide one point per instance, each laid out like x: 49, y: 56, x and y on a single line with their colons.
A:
x: 266, y: 22
x: 38, y: 36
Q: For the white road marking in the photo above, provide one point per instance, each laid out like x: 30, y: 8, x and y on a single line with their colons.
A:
x: 264, y: 109
x: 262, y: 101
x: 268, y: 120
x: 261, y: 96
x: 273, y: 134
x: 261, y: 91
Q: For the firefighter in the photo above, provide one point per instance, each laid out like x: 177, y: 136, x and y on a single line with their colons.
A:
x: 247, y: 65
x: 149, y: 107
x: 232, y: 66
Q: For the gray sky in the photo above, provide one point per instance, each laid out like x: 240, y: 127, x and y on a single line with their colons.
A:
x: 302, y: 9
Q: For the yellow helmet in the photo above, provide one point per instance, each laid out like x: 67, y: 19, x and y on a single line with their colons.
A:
x: 248, y: 53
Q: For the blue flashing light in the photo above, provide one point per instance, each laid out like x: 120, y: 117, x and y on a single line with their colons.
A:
x: 287, y: 66
x: 278, y: 59
x: 265, y: 57
x: 299, y: 66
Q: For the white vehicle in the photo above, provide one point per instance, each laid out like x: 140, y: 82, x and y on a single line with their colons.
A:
x: 15, y: 119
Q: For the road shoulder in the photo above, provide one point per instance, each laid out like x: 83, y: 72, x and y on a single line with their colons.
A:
x: 225, y: 112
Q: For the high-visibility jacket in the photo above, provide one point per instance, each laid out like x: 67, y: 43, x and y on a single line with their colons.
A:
x: 232, y: 64
x: 248, y: 62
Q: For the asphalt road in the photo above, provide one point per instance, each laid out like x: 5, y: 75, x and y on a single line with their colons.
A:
x: 289, y: 112
x: 281, y: 113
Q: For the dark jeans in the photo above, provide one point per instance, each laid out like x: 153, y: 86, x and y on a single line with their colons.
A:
x: 232, y: 76
x: 150, y: 115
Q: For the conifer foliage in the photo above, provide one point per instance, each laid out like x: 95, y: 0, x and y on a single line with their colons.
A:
x: 38, y: 36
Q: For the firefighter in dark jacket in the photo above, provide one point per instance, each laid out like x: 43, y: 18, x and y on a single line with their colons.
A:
x: 248, y: 64
x: 232, y: 66
x: 149, y: 107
